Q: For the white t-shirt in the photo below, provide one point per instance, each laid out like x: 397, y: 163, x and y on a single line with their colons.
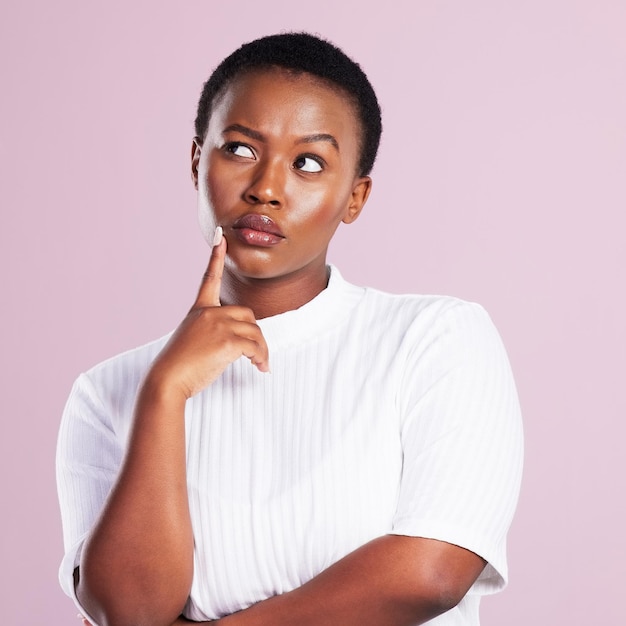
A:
x: 382, y: 414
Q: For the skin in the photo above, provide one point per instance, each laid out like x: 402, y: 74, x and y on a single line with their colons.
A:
x: 285, y: 147
x: 259, y: 156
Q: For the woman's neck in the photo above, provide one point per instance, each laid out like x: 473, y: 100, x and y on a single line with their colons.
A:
x: 271, y: 296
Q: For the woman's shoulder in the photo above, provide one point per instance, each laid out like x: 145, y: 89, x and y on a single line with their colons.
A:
x: 103, y: 396
x: 421, y: 309
x: 411, y: 305
x: 406, y: 315
x: 123, y: 370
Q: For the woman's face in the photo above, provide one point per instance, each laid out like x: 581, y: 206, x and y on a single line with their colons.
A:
x: 278, y: 171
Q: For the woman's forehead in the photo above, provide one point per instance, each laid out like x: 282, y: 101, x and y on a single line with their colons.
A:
x: 287, y: 99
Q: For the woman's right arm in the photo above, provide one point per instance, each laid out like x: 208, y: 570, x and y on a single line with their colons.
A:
x: 138, y: 559
x: 137, y: 563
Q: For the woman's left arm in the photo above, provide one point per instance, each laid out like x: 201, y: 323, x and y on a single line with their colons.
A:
x: 394, y: 580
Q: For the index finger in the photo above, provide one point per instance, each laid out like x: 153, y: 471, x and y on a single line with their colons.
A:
x: 209, y: 292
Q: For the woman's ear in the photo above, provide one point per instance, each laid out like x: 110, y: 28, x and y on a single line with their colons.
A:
x: 196, y: 151
x: 360, y: 193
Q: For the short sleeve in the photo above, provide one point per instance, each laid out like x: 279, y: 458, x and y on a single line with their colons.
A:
x: 87, y: 462
x: 462, y: 439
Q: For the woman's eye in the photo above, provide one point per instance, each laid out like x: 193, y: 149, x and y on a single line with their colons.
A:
x: 240, y: 150
x: 307, y: 164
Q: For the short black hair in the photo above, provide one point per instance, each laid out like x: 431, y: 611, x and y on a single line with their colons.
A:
x: 300, y: 52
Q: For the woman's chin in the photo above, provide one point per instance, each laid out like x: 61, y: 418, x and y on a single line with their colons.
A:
x: 256, y: 266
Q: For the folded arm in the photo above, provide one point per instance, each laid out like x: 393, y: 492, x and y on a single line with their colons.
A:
x: 394, y: 580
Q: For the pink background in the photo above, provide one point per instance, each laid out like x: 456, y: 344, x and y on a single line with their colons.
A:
x: 501, y: 179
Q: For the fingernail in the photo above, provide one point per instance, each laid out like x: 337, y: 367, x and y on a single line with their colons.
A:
x: 217, y: 238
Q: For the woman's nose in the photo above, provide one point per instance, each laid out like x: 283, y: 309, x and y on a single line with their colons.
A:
x: 266, y: 186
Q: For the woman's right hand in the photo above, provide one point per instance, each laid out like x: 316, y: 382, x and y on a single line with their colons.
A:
x: 210, y: 338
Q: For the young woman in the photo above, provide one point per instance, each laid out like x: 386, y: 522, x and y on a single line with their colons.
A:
x: 300, y: 450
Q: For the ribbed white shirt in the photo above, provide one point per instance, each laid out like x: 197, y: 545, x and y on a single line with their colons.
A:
x: 382, y: 414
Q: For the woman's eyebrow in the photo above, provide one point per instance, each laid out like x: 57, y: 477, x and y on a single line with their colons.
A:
x: 256, y: 135
x: 320, y: 137
x: 244, y: 130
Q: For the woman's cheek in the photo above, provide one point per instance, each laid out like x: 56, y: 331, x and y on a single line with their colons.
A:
x: 206, y: 220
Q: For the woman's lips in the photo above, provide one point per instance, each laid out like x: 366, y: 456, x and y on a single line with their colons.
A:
x: 257, y: 230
